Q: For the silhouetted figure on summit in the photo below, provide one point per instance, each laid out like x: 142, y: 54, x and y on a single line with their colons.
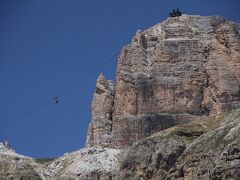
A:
x: 171, y: 14
x: 175, y: 13
x: 56, y: 100
x: 178, y: 13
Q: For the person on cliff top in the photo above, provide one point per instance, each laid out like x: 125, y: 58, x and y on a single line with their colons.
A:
x: 178, y: 13
x: 56, y: 100
x: 175, y: 13
x: 171, y: 14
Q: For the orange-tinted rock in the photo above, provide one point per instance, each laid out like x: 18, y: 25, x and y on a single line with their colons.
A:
x: 100, y: 129
x: 187, y: 67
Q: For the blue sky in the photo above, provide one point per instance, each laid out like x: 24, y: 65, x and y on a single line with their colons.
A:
x: 47, y: 49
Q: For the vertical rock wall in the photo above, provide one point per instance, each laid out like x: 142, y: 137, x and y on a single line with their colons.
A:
x: 100, y: 129
x: 172, y: 73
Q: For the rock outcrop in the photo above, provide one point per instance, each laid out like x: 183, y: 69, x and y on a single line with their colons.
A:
x: 204, y: 149
x: 192, y: 151
x: 85, y: 164
x: 173, y: 112
x: 16, y: 167
x: 172, y: 73
x: 100, y: 129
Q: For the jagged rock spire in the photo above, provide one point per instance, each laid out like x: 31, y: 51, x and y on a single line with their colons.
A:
x: 99, y: 131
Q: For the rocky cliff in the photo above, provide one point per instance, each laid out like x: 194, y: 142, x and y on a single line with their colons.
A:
x: 206, y: 149
x: 170, y: 74
x: 173, y: 112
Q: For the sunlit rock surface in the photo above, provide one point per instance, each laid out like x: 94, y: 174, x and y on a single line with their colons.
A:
x: 173, y: 112
x: 171, y: 73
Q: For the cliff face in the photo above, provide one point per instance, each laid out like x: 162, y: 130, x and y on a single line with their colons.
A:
x: 169, y: 115
x: 170, y: 74
x: 206, y: 149
x: 100, y: 129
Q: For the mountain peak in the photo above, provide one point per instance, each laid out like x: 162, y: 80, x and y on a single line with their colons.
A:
x: 172, y: 73
x: 170, y: 114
